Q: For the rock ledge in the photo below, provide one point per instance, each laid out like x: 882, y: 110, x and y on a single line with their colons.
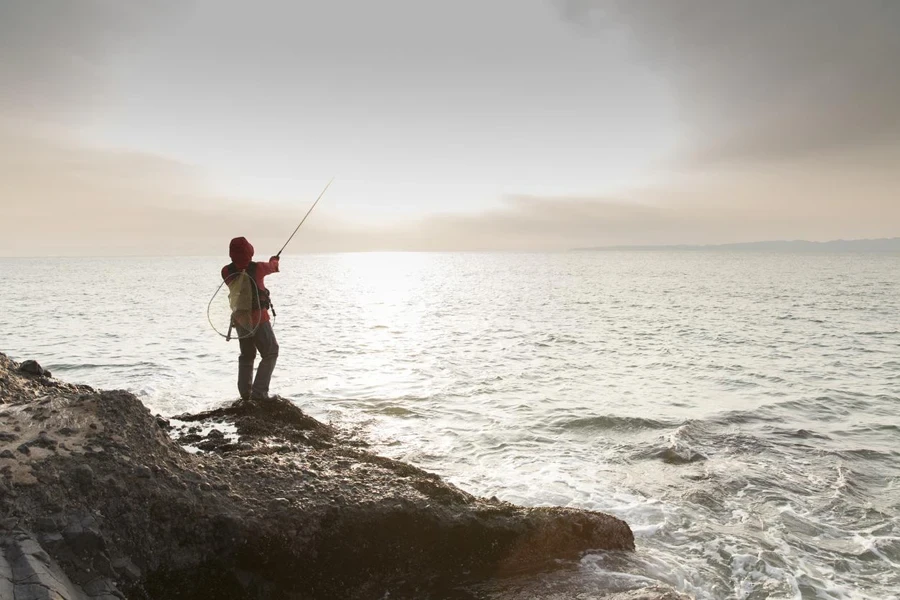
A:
x: 97, y: 500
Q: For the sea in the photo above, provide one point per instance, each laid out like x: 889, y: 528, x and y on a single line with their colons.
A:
x: 740, y: 410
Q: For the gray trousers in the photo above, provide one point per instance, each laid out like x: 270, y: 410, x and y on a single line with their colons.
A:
x: 263, y: 339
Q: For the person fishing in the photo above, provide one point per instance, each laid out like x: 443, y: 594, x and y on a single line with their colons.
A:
x: 253, y: 325
x: 250, y: 303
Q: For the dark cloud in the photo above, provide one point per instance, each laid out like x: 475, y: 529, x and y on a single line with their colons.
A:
x: 768, y: 79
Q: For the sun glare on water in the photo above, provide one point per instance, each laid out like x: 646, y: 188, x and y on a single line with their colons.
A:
x: 385, y: 315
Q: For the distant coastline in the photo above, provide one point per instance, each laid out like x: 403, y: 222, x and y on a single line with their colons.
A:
x: 881, y: 245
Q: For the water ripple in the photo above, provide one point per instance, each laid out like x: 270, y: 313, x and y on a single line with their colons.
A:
x: 740, y: 411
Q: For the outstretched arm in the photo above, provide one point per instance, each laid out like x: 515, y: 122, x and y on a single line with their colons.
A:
x: 266, y: 268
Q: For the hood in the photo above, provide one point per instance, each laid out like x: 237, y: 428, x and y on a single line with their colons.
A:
x: 241, y: 252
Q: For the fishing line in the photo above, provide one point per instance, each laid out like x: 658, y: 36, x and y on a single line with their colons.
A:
x: 304, y: 217
x: 238, y: 311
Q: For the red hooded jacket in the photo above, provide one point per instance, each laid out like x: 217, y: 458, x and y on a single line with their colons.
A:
x: 241, y: 253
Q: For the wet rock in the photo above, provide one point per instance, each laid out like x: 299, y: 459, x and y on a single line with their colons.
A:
x: 278, y: 503
x: 292, y: 506
x: 649, y: 593
x: 84, y: 537
x: 190, y: 439
x: 43, y: 441
x: 83, y: 476
x: 680, y: 456
x: 126, y: 569
x: 46, y: 524
x: 32, y: 367
x: 28, y: 572
x: 102, y: 588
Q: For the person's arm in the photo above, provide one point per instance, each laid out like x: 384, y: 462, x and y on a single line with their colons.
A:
x: 267, y: 268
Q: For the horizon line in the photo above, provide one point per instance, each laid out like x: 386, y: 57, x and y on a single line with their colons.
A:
x: 490, y: 251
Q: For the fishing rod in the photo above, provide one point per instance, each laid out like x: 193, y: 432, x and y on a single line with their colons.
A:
x: 304, y: 218
x: 231, y: 322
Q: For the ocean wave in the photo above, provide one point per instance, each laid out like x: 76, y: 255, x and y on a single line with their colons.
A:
x: 676, y: 455
x: 87, y: 365
x: 868, y: 454
x: 802, y: 434
x: 613, y: 422
x: 396, y: 411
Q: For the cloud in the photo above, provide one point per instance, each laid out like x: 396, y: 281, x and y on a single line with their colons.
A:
x: 803, y: 201
x: 766, y: 80
x: 791, y: 112
x: 55, y: 50
x: 60, y: 197
x: 791, y: 117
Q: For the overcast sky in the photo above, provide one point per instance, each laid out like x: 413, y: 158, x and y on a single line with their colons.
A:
x: 171, y: 126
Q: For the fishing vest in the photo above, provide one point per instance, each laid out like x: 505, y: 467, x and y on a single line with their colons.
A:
x: 261, y: 298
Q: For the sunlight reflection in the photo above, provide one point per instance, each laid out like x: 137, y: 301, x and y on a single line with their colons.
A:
x: 387, y: 292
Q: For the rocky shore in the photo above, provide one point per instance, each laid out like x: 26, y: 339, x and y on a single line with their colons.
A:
x: 101, y: 499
